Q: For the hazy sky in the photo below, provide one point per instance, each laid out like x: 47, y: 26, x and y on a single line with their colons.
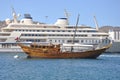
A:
x: 107, y: 12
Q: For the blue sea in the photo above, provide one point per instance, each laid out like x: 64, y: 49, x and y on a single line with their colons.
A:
x: 105, y: 67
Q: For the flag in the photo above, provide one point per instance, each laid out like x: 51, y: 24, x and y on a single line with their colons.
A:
x: 17, y: 38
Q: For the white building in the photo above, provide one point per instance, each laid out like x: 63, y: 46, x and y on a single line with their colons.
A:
x: 115, y: 35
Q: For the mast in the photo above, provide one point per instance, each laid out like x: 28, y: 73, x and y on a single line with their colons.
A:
x: 75, y: 29
x: 96, y: 23
x: 75, y: 32
x: 14, y: 16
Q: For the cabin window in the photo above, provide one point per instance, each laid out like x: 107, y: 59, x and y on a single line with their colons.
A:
x: 22, y: 21
x: 43, y: 30
x: 106, y: 41
x: 57, y: 35
x: 55, y: 40
x: 81, y: 41
x: 75, y: 41
x: 29, y: 34
x: 36, y: 34
x: 37, y: 30
x: 48, y: 30
x: 86, y: 41
x: 90, y: 41
x: 38, y: 40
x: 50, y: 41
x: 69, y: 41
x: 79, y: 31
x: 97, y: 41
x: 63, y: 41
x: 59, y: 40
x: 39, y: 35
x: 87, y: 31
x: 71, y: 35
x: 25, y: 34
x: 49, y: 35
x: 69, y: 31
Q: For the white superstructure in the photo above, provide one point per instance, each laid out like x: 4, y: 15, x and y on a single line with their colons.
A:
x: 60, y: 32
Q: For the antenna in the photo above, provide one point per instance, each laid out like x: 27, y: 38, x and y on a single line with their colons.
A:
x: 46, y: 17
x: 14, y: 15
x: 96, y: 24
x: 13, y: 10
x: 67, y: 15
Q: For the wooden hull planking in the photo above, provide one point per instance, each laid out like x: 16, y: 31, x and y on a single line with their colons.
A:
x: 55, y: 53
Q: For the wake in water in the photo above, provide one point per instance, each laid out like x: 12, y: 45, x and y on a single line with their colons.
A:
x: 110, y: 55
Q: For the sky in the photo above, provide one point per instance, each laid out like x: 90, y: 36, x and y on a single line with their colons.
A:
x: 107, y: 12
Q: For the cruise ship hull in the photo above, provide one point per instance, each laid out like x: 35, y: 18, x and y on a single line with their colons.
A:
x: 11, y: 50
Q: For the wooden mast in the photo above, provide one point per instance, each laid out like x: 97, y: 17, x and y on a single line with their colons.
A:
x: 75, y: 32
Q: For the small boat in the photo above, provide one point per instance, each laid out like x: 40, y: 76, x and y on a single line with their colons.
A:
x: 16, y: 56
x: 56, y: 51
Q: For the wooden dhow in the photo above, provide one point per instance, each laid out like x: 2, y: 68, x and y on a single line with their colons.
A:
x: 54, y: 51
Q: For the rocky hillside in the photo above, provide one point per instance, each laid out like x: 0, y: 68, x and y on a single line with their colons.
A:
x: 2, y: 24
x: 107, y: 28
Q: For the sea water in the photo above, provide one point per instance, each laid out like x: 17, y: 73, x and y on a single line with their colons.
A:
x: 105, y: 67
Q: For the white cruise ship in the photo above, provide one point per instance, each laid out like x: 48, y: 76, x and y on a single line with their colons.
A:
x: 60, y: 32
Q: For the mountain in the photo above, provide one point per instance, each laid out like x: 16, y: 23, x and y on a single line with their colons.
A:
x: 2, y: 24
x: 107, y: 28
